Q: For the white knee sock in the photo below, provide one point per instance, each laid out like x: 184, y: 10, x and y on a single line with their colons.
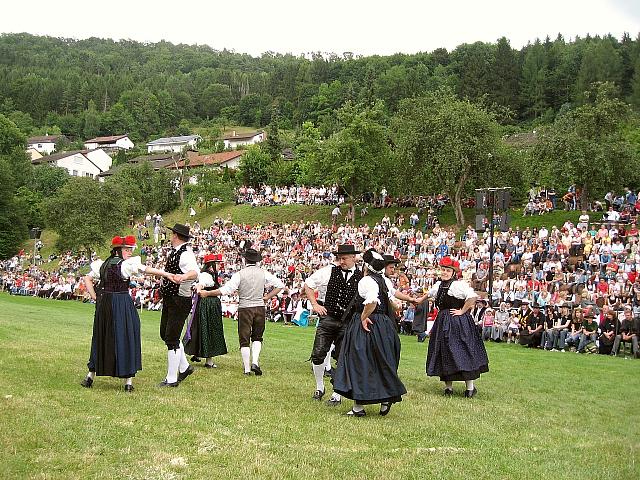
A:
x: 357, y: 408
x: 246, y: 353
x: 336, y: 396
x: 318, y: 372
x: 327, y: 360
x: 209, y: 361
x: 91, y: 375
x: 255, y: 352
x: 173, y: 361
x: 128, y: 381
x: 184, y: 363
x: 470, y: 385
x: 448, y: 384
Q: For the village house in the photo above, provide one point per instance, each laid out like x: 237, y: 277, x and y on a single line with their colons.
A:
x: 234, y: 140
x: 220, y: 160
x: 174, y: 144
x: 45, y: 144
x: 157, y: 161
x: 79, y: 163
x: 110, y: 144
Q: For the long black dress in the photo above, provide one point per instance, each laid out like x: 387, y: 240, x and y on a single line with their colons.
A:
x: 205, y: 337
x: 456, y: 351
x: 367, y: 369
x: 115, y: 345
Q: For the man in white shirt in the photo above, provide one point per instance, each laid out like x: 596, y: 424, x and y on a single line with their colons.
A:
x: 250, y: 283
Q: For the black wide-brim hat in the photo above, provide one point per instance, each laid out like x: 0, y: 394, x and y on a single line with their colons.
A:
x: 389, y: 259
x: 346, y: 249
x: 252, y: 255
x: 181, y: 230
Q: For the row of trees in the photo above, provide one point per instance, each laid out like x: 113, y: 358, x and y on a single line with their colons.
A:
x: 90, y: 87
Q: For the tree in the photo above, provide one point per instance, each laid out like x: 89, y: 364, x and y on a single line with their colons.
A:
x: 587, y: 146
x: 214, y: 98
x: 254, y: 166
x: 601, y: 63
x: 460, y: 142
x: 534, y: 73
x: 357, y: 157
x: 85, y: 213
x: 13, y: 228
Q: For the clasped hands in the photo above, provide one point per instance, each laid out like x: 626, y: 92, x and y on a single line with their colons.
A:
x: 175, y: 277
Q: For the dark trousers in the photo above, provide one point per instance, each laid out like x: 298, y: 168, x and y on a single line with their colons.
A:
x: 250, y: 325
x: 329, y: 331
x: 175, y: 310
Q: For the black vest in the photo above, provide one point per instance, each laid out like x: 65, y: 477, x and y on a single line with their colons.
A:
x: 110, y: 277
x: 170, y: 289
x: 444, y: 301
x: 340, y: 293
x: 383, y: 307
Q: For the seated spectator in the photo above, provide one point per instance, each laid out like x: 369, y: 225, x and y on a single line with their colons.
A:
x: 629, y: 332
x: 588, y: 332
x: 608, y: 329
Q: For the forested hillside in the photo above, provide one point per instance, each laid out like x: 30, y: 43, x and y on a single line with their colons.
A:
x: 101, y: 87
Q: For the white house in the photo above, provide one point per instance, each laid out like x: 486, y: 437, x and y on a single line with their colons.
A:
x: 174, y: 144
x: 79, y: 163
x: 45, y: 144
x: 111, y: 144
x: 234, y: 141
x: 33, y: 153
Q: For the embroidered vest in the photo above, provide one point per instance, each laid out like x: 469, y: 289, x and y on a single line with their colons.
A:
x: 340, y: 293
x: 444, y: 301
x: 110, y: 277
x: 169, y: 288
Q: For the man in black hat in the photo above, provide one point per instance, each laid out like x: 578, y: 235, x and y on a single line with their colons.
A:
x: 250, y: 282
x: 176, y: 303
x: 336, y: 286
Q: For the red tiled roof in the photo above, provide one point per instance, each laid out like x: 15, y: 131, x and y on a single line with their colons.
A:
x: 197, y: 160
x: 111, y: 139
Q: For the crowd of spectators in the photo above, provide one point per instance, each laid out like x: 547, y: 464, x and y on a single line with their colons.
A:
x: 590, y: 265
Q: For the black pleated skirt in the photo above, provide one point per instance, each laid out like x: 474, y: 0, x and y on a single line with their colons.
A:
x: 456, y: 351
x: 115, y: 345
x: 207, y: 332
x: 367, y: 369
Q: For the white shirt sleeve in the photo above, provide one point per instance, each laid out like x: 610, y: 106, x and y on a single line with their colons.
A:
x: 461, y: 290
x: 232, y: 285
x: 392, y: 291
x: 270, y: 280
x: 188, y: 261
x: 368, y: 289
x: 131, y: 266
x: 433, y: 291
x: 206, y: 279
x: 320, y: 278
x: 95, y: 269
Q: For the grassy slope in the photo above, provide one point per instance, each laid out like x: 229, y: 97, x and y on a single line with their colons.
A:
x: 538, y: 415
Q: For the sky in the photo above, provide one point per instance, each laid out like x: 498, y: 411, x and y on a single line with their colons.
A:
x: 372, y: 27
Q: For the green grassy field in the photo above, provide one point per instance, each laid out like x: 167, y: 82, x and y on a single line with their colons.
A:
x: 538, y: 415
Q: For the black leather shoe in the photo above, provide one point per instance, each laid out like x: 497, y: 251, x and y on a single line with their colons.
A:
x: 213, y: 365
x: 164, y: 383
x: 185, y: 374
x: 332, y: 402
x: 256, y: 369
x: 353, y: 413
x: 470, y: 393
x: 128, y: 388
x: 87, y: 382
x: 318, y: 394
x: 448, y: 392
x: 195, y: 359
x: 385, y: 408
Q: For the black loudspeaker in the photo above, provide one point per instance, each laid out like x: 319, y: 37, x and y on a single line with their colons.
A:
x: 503, y: 200
x: 34, y: 233
x: 481, y: 199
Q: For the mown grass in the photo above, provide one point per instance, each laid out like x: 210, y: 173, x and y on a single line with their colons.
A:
x: 538, y: 415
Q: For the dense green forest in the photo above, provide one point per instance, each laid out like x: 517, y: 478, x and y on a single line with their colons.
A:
x: 414, y: 124
x: 101, y: 87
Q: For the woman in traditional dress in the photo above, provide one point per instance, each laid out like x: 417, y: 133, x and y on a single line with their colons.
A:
x: 367, y: 369
x: 205, y: 334
x: 456, y: 351
x: 115, y: 345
